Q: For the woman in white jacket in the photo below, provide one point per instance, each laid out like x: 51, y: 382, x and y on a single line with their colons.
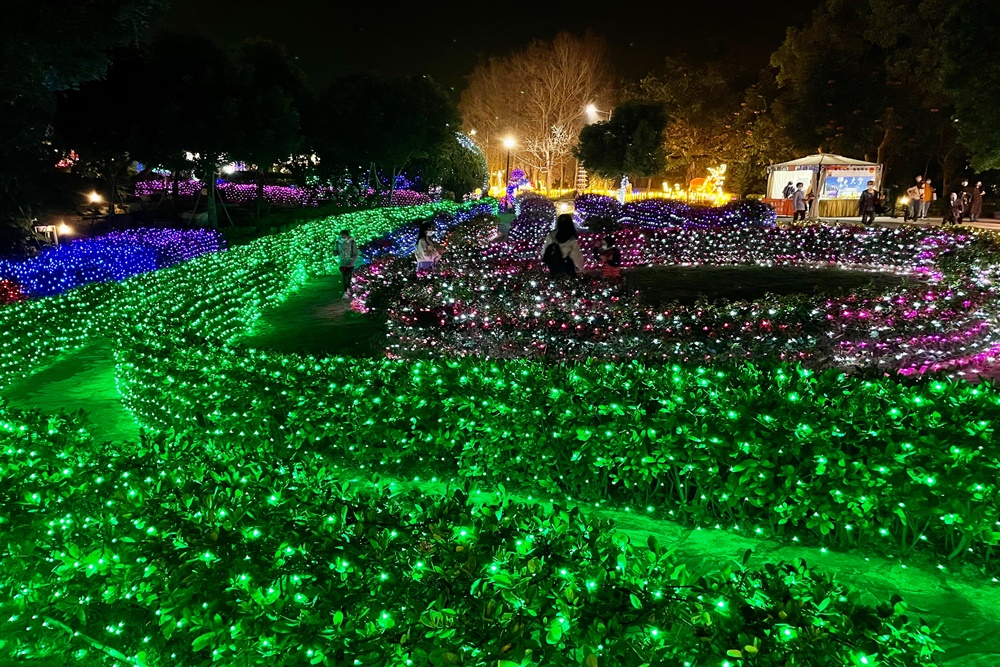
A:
x: 427, y: 252
x: 561, y: 251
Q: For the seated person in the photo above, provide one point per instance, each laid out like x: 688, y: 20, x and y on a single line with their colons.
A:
x: 561, y: 250
x: 609, y: 255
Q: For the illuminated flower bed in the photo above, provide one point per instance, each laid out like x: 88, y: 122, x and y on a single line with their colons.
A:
x: 497, y: 301
x: 113, y: 256
x: 158, y: 557
x: 766, y: 448
x: 816, y: 458
x: 402, y: 241
x: 536, y: 217
x: 660, y: 213
x: 274, y: 195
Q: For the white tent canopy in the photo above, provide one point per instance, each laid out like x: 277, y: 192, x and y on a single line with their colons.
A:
x: 835, y: 180
x: 821, y: 159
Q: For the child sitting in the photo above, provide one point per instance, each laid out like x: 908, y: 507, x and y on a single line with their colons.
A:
x: 610, y: 256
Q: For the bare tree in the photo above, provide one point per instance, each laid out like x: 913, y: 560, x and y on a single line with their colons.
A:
x: 538, y: 96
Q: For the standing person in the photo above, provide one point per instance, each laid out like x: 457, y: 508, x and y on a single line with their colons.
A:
x: 915, y: 193
x: 789, y: 189
x: 868, y: 204
x: 976, y: 207
x: 799, y: 203
x: 926, y: 199
x: 561, y: 250
x: 347, y: 255
x: 426, y: 252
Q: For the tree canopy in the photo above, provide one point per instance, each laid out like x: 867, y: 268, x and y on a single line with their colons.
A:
x: 630, y: 142
x: 385, y: 121
x: 47, y: 46
x: 973, y: 79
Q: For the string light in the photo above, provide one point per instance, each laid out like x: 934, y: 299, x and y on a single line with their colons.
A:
x: 88, y: 580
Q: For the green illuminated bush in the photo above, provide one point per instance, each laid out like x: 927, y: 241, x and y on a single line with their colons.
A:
x: 825, y: 458
x: 152, y: 557
x: 35, y: 332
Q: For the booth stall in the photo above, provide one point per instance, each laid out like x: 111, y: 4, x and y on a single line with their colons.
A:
x: 837, y: 182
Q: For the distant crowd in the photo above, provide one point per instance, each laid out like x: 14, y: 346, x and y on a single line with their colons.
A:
x: 965, y: 202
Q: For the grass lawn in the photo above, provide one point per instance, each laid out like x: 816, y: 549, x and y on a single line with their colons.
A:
x: 316, y: 320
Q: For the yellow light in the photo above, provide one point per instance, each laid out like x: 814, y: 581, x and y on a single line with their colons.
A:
x: 592, y: 108
x: 509, y: 142
x: 904, y: 201
x: 65, y: 229
x: 94, y: 198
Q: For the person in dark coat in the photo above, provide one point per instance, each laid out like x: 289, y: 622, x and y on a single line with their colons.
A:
x: 868, y: 204
x: 976, y: 208
x: 787, y: 192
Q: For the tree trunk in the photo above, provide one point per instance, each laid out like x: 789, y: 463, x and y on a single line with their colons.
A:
x: 260, y: 193
x: 884, y: 145
x: 392, y: 186
x: 213, y: 215
x: 111, y: 198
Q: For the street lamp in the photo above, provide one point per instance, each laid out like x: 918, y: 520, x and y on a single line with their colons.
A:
x: 508, y: 143
x: 595, y: 114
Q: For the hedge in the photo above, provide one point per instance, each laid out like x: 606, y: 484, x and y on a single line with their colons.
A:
x: 149, y: 556
x: 821, y: 457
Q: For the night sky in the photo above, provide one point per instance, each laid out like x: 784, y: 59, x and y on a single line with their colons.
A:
x: 445, y: 41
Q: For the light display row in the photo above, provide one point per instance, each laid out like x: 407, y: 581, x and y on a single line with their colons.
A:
x: 659, y: 213
x: 274, y: 195
x: 768, y: 449
x: 10, y: 292
x: 114, y: 256
x: 165, y: 554
x: 496, y: 300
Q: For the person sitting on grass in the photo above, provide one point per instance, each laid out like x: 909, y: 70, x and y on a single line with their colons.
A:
x: 347, y: 256
x: 561, y: 250
x: 426, y: 252
x: 610, y: 256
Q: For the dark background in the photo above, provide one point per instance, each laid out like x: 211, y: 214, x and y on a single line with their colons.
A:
x: 445, y: 39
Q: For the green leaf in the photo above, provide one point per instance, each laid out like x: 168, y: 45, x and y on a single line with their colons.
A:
x: 202, y: 641
x: 636, y: 602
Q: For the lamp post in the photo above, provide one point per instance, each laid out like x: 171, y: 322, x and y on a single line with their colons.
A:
x: 95, y: 202
x: 508, y: 143
x: 596, y: 114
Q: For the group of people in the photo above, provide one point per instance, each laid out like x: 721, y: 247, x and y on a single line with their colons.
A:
x: 427, y: 253
x: 965, y: 202
x: 919, y: 196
